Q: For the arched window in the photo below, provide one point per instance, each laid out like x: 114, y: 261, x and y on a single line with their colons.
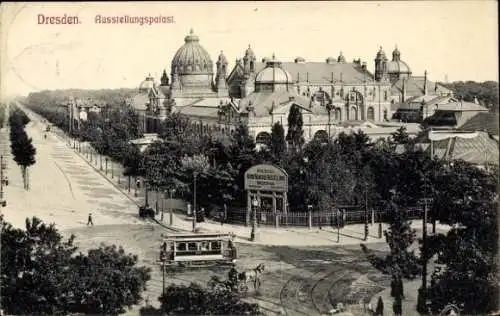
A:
x: 263, y: 138
x: 370, y: 113
x: 321, y: 136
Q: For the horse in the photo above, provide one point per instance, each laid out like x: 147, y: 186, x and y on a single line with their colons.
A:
x: 252, y: 275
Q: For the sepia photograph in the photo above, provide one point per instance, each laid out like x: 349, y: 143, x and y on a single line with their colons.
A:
x: 294, y: 158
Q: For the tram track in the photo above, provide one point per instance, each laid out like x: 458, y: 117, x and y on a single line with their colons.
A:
x: 293, y: 293
x: 326, y: 304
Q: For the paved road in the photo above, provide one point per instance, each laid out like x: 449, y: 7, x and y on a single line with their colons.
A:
x: 65, y: 189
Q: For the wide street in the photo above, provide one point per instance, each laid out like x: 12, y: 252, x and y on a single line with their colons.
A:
x: 300, y: 279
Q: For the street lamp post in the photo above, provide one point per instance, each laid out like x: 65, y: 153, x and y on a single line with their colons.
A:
x: 112, y: 171
x: 338, y: 225
x: 106, y: 168
x: 194, y: 203
x: 253, y: 233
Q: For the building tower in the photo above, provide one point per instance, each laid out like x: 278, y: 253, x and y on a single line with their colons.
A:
x: 164, y: 78
x: 249, y: 61
x: 220, y: 78
x: 248, y: 85
x: 380, y: 65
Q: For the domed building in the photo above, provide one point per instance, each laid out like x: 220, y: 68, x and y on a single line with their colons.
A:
x: 397, y: 69
x: 332, y: 95
x: 192, y: 70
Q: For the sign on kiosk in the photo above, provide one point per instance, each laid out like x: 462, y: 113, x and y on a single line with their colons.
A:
x: 266, y: 177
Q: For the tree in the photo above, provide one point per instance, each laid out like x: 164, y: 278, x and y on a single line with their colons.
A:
x: 278, y: 142
x: 21, y: 146
x: 400, y: 136
x: 42, y: 274
x: 219, y: 297
x: 468, y: 254
x: 295, y: 133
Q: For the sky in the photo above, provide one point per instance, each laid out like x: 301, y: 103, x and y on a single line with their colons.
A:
x: 453, y: 40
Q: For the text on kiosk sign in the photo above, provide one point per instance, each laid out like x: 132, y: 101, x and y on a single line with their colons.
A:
x: 266, y: 178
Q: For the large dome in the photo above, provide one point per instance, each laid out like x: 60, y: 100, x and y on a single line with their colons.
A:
x: 399, y: 67
x: 192, y: 58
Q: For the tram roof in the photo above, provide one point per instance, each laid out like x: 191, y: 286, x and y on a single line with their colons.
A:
x: 185, y: 237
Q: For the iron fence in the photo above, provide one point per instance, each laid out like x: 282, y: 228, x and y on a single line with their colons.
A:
x: 316, y: 219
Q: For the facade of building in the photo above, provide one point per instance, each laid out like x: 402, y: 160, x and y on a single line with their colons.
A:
x: 333, y: 95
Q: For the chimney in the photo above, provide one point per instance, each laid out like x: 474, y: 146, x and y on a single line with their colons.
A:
x: 425, y: 82
x: 363, y: 66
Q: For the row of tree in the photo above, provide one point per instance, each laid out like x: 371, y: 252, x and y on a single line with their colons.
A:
x: 21, y: 145
x: 2, y: 114
x: 485, y: 92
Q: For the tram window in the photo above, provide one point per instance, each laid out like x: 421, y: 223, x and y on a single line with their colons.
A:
x: 192, y: 246
x: 204, y: 246
x: 215, y: 245
x: 180, y: 246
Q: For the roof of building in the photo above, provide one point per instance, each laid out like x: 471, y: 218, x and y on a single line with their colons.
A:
x: 483, y: 121
x: 459, y: 106
x: 415, y: 87
x: 198, y: 111
x: 263, y: 102
x: 322, y: 72
x: 477, y: 150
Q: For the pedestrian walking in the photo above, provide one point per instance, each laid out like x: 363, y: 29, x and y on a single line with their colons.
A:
x: 90, y: 222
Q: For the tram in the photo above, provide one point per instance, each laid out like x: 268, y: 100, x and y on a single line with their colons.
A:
x: 197, y: 249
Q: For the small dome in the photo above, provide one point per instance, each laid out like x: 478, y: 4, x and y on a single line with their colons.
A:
x: 299, y: 60
x: 147, y: 84
x: 330, y: 60
x: 341, y: 58
x: 399, y: 67
x: 192, y: 57
x: 273, y: 73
